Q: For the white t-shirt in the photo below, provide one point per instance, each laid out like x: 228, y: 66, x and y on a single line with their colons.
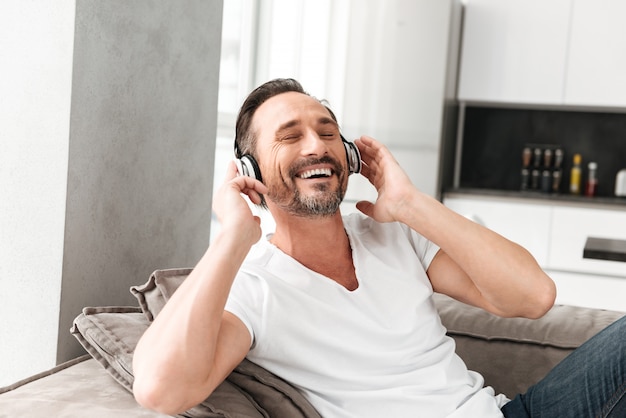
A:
x: 377, y: 351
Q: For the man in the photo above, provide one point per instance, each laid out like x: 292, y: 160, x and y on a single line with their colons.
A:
x: 339, y: 306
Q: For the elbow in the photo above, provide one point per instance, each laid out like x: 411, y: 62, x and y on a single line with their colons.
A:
x: 543, y: 299
x: 160, y: 390
x: 151, y: 394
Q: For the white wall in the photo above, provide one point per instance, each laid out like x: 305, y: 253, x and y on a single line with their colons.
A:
x: 36, y: 43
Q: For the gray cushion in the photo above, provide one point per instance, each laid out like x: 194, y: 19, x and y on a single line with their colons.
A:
x: 160, y: 286
x: 78, y: 388
x: 515, y: 353
x: 110, y: 335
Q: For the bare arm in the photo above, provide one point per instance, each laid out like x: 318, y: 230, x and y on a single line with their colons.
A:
x: 193, y: 344
x: 475, y: 265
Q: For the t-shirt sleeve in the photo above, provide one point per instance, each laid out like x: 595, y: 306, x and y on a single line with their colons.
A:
x: 244, y: 301
x: 425, y: 249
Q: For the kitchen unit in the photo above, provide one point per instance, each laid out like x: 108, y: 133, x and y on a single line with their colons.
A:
x: 503, y: 61
x: 560, y: 52
x: 555, y: 233
x: 546, y: 75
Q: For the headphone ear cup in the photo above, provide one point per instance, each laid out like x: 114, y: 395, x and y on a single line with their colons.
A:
x: 354, y: 157
x: 247, y: 166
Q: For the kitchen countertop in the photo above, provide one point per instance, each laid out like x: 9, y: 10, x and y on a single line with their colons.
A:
x: 538, y: 197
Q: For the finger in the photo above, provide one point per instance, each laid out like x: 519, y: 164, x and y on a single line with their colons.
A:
x: 374, y: 146
x: 371, y: 150
x: 365, y: 150
x: 367, y: 140
x: 365, y: 207
x: 251, y: 188
x: 369, y: 143
x: 231, y: 170
x: 254, y: 197
x: 371, y: 168
x: 247, y: 182
x: 255, y: 185
x: 366, y: 172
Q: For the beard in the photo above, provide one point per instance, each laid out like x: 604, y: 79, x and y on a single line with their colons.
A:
x: 322, y: 202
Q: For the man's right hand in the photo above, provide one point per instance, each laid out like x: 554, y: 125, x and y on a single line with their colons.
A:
x: 232, y: 210
x: 193, y: 344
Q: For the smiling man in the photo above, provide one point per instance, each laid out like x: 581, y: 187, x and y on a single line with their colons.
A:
x: 341, y: 306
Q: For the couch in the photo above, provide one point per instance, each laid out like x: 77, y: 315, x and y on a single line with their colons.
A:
x: 511, y: 354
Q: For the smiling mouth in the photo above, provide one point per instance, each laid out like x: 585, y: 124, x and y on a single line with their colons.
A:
x: 316, y: 174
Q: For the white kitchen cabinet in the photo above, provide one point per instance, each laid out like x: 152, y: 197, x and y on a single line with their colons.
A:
x: 596, y: 69
x: 514, y: 51
x: 558, y: 52
x: 588, y: 290
x: 526, y: 224
x: 571, y: 226
x: 555, y: 234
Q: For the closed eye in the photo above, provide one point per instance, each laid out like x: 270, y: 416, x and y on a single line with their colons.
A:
x: 290, y: 137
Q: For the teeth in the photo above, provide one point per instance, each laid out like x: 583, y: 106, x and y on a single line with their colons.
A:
x: 317, y: 172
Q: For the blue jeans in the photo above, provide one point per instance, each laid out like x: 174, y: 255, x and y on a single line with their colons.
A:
x: 590, y: 382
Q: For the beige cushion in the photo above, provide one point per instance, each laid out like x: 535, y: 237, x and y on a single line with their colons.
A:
x: 78, y: 388
x: 160, y: 286
x: 515, y: 353
x: 110, y: 335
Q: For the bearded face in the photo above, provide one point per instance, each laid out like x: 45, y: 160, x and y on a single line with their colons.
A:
x: 311, y: 187
x: 301, y: 155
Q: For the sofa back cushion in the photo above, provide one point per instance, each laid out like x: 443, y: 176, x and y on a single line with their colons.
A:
x: 511, y: 353
x: 514, y: 353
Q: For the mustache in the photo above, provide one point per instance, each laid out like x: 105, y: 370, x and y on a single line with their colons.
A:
x: 305, y: 162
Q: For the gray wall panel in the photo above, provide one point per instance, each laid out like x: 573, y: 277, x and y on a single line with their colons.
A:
x: 142, y: 142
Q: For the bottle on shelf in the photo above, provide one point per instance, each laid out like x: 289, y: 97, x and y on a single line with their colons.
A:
x: 525, y: 175
x: 592, y: 180
x: 575, y: 175
x: 535, y: 174
x: 557, y: 173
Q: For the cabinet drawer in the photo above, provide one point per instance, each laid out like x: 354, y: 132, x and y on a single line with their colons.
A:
x: 600, y: 292
x: 570, y: 229
x: 526, y: 224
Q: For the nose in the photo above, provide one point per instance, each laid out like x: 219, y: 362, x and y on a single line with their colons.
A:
x: 313, y: 144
